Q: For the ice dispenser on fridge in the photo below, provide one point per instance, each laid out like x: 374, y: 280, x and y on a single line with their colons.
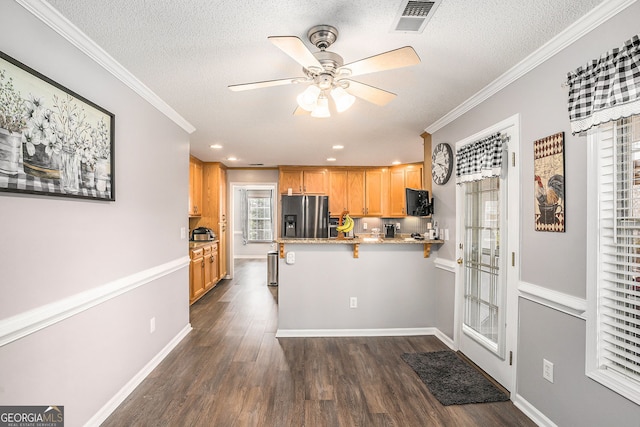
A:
x: 290, y: 225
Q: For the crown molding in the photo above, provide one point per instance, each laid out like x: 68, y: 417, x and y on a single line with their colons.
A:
x: 582, y: 26
x: 61, y: 25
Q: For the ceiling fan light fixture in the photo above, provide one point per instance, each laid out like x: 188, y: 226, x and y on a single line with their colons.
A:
x: 343, y: 99
x: 308, y: 99
x: 322, y: 109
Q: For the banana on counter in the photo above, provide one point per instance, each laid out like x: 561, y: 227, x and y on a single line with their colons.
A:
x: 347, y: 225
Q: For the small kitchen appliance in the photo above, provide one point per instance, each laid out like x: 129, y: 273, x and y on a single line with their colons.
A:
x: 389, y: 231
x: 202, y: 234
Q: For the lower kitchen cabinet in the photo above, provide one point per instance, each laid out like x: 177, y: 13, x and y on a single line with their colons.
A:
x: 203, y: 271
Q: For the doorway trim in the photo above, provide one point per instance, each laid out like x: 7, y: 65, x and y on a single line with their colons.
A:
x: 232, y: 214
x: 513, y: 243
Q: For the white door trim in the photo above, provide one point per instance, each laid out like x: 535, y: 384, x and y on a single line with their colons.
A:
x: 513, y: 242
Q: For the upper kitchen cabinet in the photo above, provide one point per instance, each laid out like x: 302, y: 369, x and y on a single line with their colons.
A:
x: 401, y: 177
x: 347, y: 191
x: 376, y: 191
x: 338, y: 192
x: 195, y: 186
x: 304, y: 180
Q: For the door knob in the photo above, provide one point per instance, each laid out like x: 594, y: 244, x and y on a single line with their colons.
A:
x: 459, y: 261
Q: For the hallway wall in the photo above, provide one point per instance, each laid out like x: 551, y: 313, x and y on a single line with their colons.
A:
x: 80, y: 280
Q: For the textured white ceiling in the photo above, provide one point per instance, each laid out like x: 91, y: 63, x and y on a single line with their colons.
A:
x: 189, y: 51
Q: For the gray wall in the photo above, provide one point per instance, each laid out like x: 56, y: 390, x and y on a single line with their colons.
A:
x: 556, y: 261
x: 391, y: 281
x: 52, y: 249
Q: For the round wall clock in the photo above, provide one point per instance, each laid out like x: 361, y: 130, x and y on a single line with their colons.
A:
x: 441, y: 163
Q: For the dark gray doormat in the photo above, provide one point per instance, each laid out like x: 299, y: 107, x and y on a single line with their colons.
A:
x: 451, y: 380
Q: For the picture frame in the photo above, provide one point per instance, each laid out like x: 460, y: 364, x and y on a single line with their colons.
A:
x: 53, y: 142
x: 549, y: 188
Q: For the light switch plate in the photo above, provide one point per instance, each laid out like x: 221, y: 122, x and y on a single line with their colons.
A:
x: 291, y: 257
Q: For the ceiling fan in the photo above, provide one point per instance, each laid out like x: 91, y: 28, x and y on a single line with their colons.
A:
x: 327, y: 75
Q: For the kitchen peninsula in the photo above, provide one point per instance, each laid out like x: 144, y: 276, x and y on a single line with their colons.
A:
x: 355, y: 287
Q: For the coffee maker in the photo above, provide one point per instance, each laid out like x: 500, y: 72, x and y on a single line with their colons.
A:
x: 389, y: 231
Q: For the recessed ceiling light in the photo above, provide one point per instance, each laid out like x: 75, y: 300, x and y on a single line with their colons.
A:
x: 395, y: 163
x: 338, y: 147
x: 331, y: 159
x: 216, y: 146
x: 232, y: 159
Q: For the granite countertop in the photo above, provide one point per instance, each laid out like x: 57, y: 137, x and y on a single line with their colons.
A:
x: 363, y: 239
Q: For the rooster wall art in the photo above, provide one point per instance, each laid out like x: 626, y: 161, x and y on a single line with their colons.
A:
x: 548, y: 178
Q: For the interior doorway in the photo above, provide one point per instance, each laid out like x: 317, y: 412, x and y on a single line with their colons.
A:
x: 253, y: 220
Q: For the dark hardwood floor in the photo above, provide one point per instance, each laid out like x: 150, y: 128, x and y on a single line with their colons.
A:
x: 232, y: 371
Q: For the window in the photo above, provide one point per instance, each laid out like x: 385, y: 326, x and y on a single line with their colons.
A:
x: 613, y: 291
x: 259, y: 216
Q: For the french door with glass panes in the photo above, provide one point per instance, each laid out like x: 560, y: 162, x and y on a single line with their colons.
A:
x: 486, y: 284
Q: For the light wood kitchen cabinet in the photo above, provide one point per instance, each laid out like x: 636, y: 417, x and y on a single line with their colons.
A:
x: 210, y: 262
x: 376, y: 191
x: 338, y: 192
x: 413, y: 177
x: 357, y: 195
x: 347, y: 191
x: 215, y: 211
x: 304, y: 180
x: 203, y: 272
x: 196, y: 274
x: 195, y: 186
x: 400, y: 178
x: 223, y: 235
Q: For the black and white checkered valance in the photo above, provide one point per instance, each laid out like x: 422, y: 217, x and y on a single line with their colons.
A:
x: 606, y: 89
x: 480, y: 159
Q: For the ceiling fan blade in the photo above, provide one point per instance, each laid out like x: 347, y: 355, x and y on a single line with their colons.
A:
x: 398, y: 58
x: 259, y: 85
x: 301, y: 112
x: 369, y: 93
x: 296, y: 49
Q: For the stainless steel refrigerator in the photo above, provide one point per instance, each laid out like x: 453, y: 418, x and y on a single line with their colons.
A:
x: 305, y: 216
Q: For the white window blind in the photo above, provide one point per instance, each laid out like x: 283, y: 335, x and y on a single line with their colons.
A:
x: 614, y: 337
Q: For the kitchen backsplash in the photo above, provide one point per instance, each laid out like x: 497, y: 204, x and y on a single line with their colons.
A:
x: 407, y: 225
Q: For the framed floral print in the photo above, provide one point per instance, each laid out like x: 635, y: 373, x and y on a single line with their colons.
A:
x: 52, y: 140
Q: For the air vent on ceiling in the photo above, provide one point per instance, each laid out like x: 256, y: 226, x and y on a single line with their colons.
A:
x: 413, y: 15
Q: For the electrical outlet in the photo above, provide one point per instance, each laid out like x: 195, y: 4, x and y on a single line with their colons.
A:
x: 397, y: 226
x: 183, y: 233
x: 152, y: 325
x: 353, y: 302
x: 291, y: 257
x: 446, y: 234
x: 364, y: 226
x: 547, y: 370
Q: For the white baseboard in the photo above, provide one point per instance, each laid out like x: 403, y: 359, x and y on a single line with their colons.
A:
x: 134, y: 382
x: 387, y: 332
x: 531, y: 411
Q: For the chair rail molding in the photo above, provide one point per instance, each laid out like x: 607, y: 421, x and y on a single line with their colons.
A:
x: 28, y: 322
x: 560, y: 301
